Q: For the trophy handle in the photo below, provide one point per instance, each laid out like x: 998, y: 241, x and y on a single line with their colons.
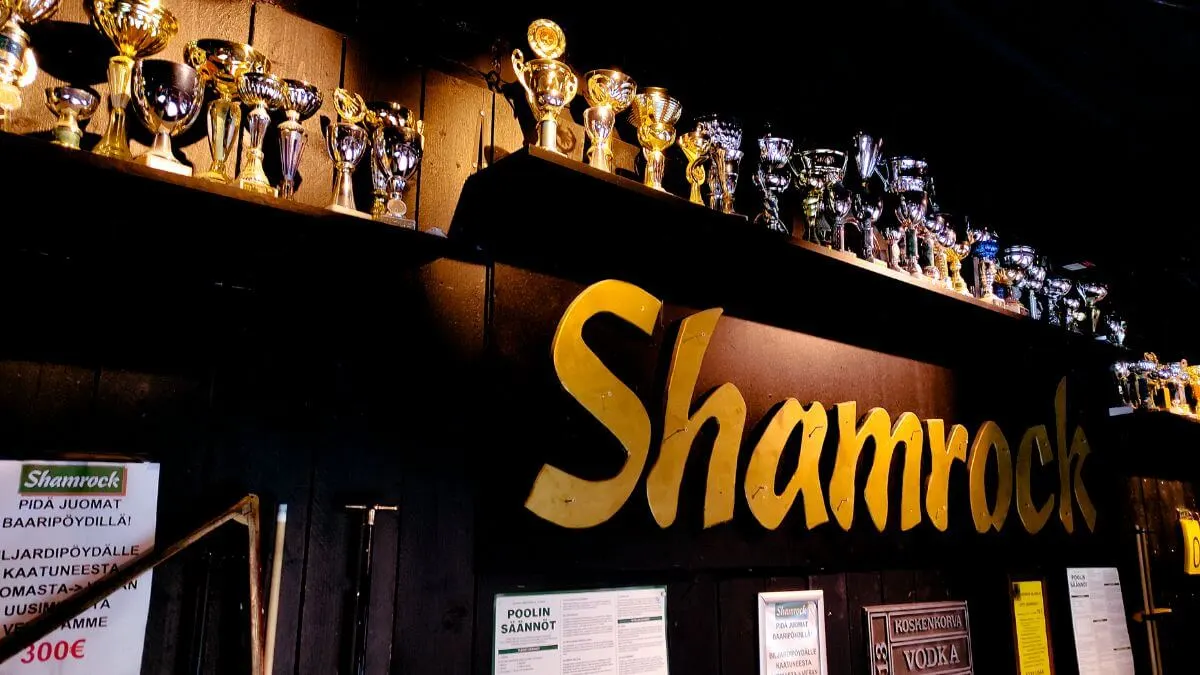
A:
x: 518, y: 64
x: 30, y: 65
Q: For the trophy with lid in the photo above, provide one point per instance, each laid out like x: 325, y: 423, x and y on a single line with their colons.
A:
x: 18, y: 64
x: 549, y: 84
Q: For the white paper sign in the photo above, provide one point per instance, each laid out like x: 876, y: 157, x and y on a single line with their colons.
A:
x: 1098, y: 618
x: 619, y: 631
x: 64, y: 525
x: 791, y: 633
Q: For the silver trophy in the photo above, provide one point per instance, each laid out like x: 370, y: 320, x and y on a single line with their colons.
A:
x: 1126, y: 386
x: 816, y: 171
x: 933, y: 259
x: 985, y: 246
x: 1177, y: 387
x: 1016, y: 261
x: 1073, y: 316
x: 1092, y: 293
x: 838, y: 209
x: 1145, y: 382
x: 866, y: 209
x: 772, y: 180
x: 1057, y: 289
x: 1035, y: 284
x: 724, y: 135
x: 301, y: 100
x: 1114, y: 330
x: 397, y: 143
x: 908, y: 178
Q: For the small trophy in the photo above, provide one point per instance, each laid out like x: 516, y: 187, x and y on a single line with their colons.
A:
x: 654, y: 114
x: 301, y: 100
x: 18, y: 64
x: 397, y: 143
x: 1035, y: 283
x: 816, y: 171
x: 1092, y: 293
x: 955, y: 252
x: 265, y: 93
x: 168, y: 98
x: 1057, y: 289
x: 71, y: 105
x: 866, y: 209
x: 222, y: 63
x: 1016, y: 262
x: 137, y: 28
x: 609, y: 93
x: 772, y: 179
x: 549, y: 84
x: 724, y: 136
x: 346, y: 142
x: 695, y: 148
x: 984, y: 248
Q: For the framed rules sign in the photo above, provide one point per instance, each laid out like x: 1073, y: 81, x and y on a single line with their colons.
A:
x: 791, y: 633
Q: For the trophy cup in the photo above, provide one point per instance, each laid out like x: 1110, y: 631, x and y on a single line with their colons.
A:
x: 816, y: 171
x: 1015, y: 262
x: 655, y: 114
x: 71, y: 105
x: 18, y: 64
x: 137, y: 28
x: 346, y: 142
x: 222, y: 63
x: 947, y: 239
x: 168, y: 98
x: 935, y: 266
x: 265, y: 93
x: 1145, y: 380
x: 724, y: 136
x: 772, y: 179
x: 866, y: 210
x: 301, y: 100
x: 397, y: 143
x: 695, y: 149
x: 1092, y: 293
x: 1177, y: 388
x: 1072, y: 316
x: 609, y: 93
x: 1035, y: 283
x: 549, y: 84
x: 1114, y: 330
x: 984, y: 248
x: 908, y: 178
x: 1126, y: 388
x: 1057, y: 289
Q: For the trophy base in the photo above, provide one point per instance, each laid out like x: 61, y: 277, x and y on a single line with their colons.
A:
x: 257, y: 187
x: 214, y: 176
x: 337, y: 208
x: 406, y: 223
x: 163, y: 164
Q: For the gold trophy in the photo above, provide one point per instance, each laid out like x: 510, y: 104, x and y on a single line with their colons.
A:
x: 71, y: 105
x: 655, y: 114
x: 18, y: 64
x: 549, y: 84
x: 265, y: 92
x: 347, y: 143
x: 221, y: 63
x: 695, y: 147
x: 609, y: 93
x: 137, y: 28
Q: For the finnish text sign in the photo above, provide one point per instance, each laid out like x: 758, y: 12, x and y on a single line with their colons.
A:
x: 791, y: 633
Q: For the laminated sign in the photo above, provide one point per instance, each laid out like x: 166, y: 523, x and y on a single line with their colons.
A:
x: 64, y: 525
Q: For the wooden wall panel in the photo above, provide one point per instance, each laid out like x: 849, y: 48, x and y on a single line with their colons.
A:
x: 837, y: 620
x: 301, y: 49
x: 456, y: 116
x: 69, y: 51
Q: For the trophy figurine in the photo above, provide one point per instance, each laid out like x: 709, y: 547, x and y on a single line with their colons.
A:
x: 265, y: 93
x: 222, y: 63
x: 549, y: 84
x: 18, y: 64
x: 655, y: 114
x: 695, y: 149
x: 301, y: 100
x: 866, y: 210
x: 168, y: 97
x: 138, y: 29
x: 1092, y: 293
x: 71, y: 105
x: 908, y: 178
x: 346, y: 142
x: 984, y: 248
x: 1057, y: 288
x: 816, y: 171
x: 724, y: 135
x: 772, y: 179
x: 609, y: 93
x: 397, y: 143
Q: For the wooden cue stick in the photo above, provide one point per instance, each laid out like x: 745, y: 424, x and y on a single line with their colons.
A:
x: 273, y: 599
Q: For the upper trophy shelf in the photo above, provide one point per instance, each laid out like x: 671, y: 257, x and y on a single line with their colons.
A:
x: 543, y: 211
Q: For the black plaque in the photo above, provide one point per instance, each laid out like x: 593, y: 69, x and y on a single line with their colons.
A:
x: 923, y: 638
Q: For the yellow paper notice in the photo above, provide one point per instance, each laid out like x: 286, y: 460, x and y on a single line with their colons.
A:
x: 1029, y: 613
x: 1191, y: 545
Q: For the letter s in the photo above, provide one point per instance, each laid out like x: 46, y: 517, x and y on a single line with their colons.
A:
x: 571, y: 501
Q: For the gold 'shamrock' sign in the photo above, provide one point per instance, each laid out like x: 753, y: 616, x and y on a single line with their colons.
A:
x: 574, y: 502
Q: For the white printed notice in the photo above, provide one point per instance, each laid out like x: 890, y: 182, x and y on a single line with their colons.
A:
x: 64, y: 525
x: 1098, y: 618
x: 791, y: 633
x: 619, y: 631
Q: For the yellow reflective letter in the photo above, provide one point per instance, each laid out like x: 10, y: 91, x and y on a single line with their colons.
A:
x: 907, y: 430
x: 1033, y: 518
x: 989, y: 437
x: 942, y: 451
x: 768, y: 507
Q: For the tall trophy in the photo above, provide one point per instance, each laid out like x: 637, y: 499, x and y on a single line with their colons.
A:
x: 955, y: 252
x: 908, y: 179
x: 397, y: 142
x: 695, y: 148
x: 772, y: 179
x: 1035, y: 283
x: 866, y: 209
x: 608, y: 93
x: 138, y: 29
x: 264, y: 92
x: 816, y: 171
x: 935, y: 265
x: 1092, y: 293
x: 1145, y: 380
x: 167, y: 97
x: 346, y: 142
x: 1015, y: 263
x: 222, y: 63
x: 984, y: 248
x: 654, y: 114
x: 1057, y: 289
x: 549, y: 84
x: 71, y: 105
x: 18, y: 64
x: 724, y: 136
x: 301, y: 100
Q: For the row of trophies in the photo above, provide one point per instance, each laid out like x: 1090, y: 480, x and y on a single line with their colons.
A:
x: 921, y: 240
x: 168, y: 97
x: 1149, y: 385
